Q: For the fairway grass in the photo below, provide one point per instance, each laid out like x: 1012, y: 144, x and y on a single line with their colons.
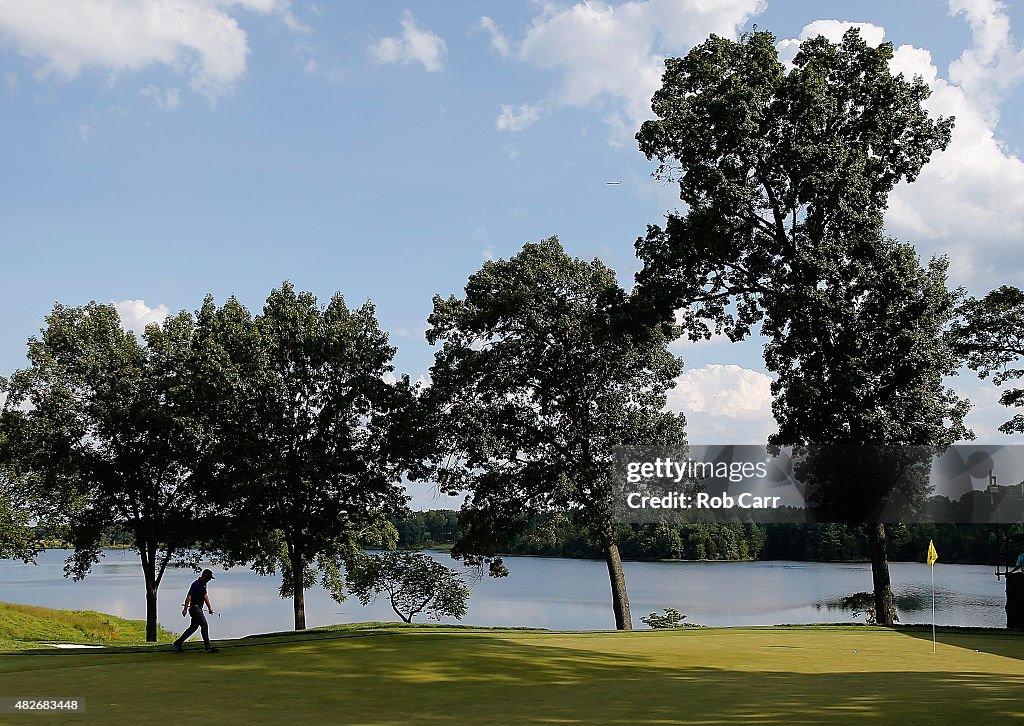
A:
x: 438, y: 675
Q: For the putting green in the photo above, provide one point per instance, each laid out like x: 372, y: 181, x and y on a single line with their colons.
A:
x: 437, y: 675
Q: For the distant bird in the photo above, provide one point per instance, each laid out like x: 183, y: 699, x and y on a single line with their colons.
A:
x: 618, y: 182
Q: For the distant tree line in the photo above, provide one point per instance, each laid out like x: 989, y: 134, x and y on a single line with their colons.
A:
x: 978, y: 544
x: 974, y: 544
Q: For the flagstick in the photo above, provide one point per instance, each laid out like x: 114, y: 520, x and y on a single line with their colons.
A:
x: 933, y: 606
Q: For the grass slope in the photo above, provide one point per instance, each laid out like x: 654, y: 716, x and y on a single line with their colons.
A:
x: 439, y: 675
x: 26, y: 626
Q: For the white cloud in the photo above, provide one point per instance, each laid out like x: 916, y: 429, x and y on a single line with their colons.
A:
x: 499, y: 41
x: 11, y: 83
x: 724, y: 404
x: 834, y: 30
x: 723, y: 390
x: 85, y: 132
x: 136, y: 315
x: 415, y: 44
x: 992, y: 66
x: 198, y: 37
x: 164, y: 100
x: 489, y: 253
x: 613, y: 56
x: 517, y: 119
x: 311, y: 66
x: 831, y: 29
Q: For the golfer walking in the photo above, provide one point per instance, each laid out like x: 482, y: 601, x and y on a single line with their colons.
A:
x: 197, y: 597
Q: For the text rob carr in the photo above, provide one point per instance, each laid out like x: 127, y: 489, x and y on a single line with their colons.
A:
x: 702, y: 500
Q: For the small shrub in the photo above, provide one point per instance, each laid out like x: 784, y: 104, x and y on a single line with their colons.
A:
x: 671, y: 619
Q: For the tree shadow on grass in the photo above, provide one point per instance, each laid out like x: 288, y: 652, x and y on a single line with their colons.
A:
x: 478, y: 678
x: 1006, y: 643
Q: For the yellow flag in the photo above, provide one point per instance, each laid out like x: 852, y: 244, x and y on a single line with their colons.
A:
x: 932, y: 554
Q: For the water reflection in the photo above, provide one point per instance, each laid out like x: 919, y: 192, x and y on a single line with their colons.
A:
x: 539, y: 592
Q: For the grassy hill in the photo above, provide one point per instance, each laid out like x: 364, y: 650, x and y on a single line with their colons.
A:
x: 439, y: 675
x: 26, y: 626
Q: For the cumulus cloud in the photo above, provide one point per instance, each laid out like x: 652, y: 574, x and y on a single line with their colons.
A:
x: 968, y: 202
x: 831, y: 29
x: 992, y: 66
x: 613, y: 55
x: 136, y: 315
x: 517, y: 119
x: 414, y: 45
x: 724, y: 404
x: 723, y: 390
x: 199, y: 37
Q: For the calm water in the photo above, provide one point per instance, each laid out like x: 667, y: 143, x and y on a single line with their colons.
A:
x: 559, y: 594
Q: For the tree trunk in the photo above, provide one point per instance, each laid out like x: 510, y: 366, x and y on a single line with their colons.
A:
x: 620, y: 600
x: 885, y: 607
x: 149, y: 572
x: 400, y: 613
x: 299, y: 593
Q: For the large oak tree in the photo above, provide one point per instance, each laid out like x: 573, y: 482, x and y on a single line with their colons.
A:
x: 541, y: 372
x: 786, y: 175
x: 103, y: 428
x: 308, y: 430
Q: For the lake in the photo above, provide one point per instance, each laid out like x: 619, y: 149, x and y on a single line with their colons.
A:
x: 559, y: 594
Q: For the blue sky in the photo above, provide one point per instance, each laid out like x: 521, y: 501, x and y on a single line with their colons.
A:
x: 158, y: 150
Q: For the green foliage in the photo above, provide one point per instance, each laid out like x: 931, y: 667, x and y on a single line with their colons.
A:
x: 551, y: 536
x: 105, y: 431
x: 990, y: 336
x: 861, y: 602
x: 672, y: 618
x: 18, y: 538
x: 417, y: 530
x: 786, y: 175
x: 307, y: 447
x: 541, y: 372
x: 413, y: 582
x: 776, y: 168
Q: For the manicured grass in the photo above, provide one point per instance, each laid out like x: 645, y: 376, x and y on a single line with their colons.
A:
x: 26, y: 626
x: 390, y: 675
